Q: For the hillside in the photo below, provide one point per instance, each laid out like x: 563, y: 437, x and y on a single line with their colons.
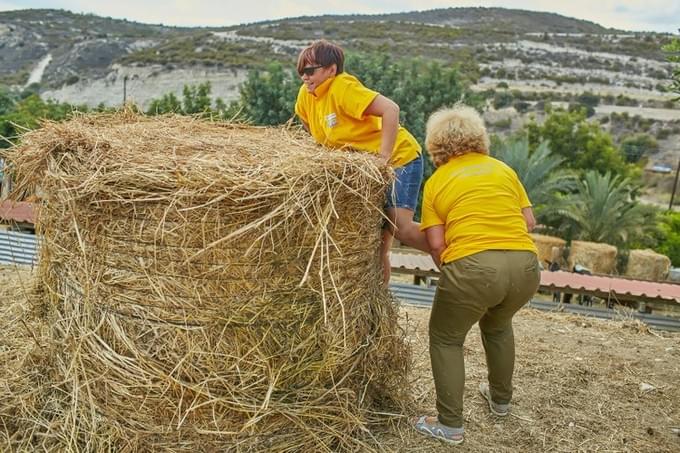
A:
x: 494, y: 43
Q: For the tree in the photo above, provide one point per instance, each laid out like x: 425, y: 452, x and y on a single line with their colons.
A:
x: 27, y: 114
x: 670, y: 246
x: 583, y: 144
x: 635, y: 146
x: 601, y: 210
x: 540, y: 172
x: 168, y: 103
x: 195, y: 100
x: 268, y: 97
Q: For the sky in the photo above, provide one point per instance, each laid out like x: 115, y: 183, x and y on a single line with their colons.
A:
x: 633, y: 15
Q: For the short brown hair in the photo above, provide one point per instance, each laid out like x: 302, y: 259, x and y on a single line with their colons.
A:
x: 322, y: 53
x: 453, y: 132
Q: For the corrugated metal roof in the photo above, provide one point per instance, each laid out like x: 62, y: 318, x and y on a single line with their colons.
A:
x: 610, y: 286
x: 18, y: 248
x: 17, y: 211
x: 599, y: 285
x: 402, y: 262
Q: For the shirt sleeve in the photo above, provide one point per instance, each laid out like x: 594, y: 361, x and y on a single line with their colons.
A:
x: 356, y: 98
x: 428, y: 214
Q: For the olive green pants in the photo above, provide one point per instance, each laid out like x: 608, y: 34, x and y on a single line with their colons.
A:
x: 488, y: 287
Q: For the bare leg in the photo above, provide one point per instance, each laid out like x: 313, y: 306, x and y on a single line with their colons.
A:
x: 407, y: 230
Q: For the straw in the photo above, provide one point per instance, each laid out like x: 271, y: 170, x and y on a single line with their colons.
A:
x: 208, y: 287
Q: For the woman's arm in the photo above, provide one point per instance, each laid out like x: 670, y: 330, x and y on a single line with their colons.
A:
x: 388, y: 110
x: 528, y: 214
x: 437, y: 243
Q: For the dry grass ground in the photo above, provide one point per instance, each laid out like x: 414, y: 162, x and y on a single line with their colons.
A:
x: 579, y: 383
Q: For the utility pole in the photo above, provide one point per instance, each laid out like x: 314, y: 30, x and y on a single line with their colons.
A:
x: 675, y: 186
x: 125, y: 79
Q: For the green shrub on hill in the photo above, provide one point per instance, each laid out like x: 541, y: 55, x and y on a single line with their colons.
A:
x: 583, y: 144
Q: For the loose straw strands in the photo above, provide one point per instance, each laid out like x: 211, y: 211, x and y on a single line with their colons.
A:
x: 213, y: 286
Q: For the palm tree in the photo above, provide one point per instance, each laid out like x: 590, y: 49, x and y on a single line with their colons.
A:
x: 540, y: 172
x: 601, y: 210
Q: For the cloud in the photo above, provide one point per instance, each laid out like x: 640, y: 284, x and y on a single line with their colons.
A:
x: 8, y: 6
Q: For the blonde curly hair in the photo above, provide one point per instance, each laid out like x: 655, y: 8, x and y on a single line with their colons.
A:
x: 454, y: 131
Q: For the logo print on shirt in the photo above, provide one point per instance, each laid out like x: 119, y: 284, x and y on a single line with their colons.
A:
x: 331, y: 120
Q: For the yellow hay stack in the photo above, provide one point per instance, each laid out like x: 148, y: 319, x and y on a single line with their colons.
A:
x: 545, y: 245
x: 647, y: 265
x: 212, y: 287
x: 599, y: 258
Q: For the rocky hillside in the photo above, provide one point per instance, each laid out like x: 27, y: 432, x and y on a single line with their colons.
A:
x: 84, y: 58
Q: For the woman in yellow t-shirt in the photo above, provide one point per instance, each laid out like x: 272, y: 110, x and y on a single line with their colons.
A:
x: 338, y: 111
x: 477, y: 218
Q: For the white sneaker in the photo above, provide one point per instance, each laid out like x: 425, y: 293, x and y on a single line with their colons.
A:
x: 497, y: 409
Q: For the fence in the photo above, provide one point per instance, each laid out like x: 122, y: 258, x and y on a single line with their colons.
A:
x: 18, y: 248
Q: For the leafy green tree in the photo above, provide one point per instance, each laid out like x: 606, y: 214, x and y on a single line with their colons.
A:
x: 541, y: 174
x: 635, y: 146
x: 670, y: 246
x: 196, y: 99
x: 601, y: 210
x: 28, y: 112
x: 168, y: 103
x: 268, y: 97
x: 583, y: 144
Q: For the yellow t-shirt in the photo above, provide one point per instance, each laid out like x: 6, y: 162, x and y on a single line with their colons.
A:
x: 335, y: 115
x: 479, y: 200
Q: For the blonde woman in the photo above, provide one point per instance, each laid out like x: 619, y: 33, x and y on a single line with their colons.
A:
x: 476, y: 216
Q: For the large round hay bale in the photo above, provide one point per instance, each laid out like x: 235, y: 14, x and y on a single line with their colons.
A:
x: 215, y: 287
x: 647, y: 265
x: 599, y: 258
x: 545, y: 245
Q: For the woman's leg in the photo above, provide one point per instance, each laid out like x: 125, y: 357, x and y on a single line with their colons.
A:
x: 466, y: 288
x: 496, y: 325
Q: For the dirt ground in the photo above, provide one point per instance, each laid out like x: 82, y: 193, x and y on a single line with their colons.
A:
x: 580, y: 384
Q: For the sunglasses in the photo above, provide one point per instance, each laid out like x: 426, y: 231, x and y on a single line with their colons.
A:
x: 310, y: 70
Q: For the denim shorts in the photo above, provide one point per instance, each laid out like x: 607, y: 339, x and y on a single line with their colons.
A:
x: 403, y: 193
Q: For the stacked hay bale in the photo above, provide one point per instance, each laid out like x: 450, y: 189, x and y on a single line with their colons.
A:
x: 647, y: 265
x: 599, y: 258
x: 545, y: 245
x: 214, y: 287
